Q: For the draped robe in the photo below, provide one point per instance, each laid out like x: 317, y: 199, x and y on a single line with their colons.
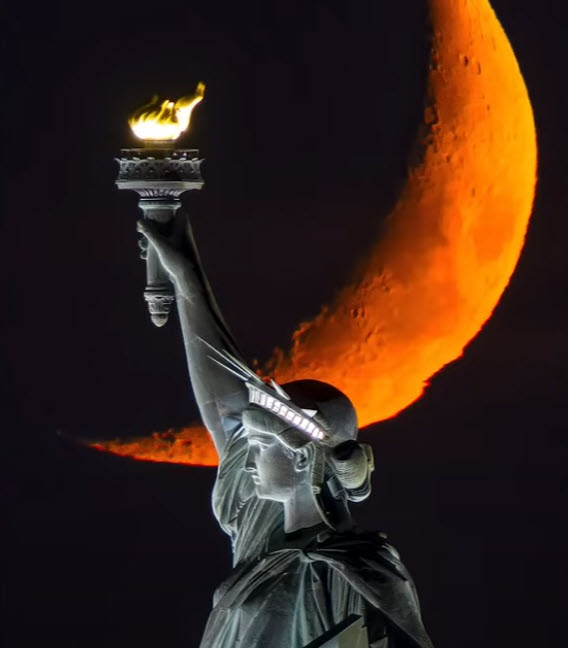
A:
x: 287, y: 590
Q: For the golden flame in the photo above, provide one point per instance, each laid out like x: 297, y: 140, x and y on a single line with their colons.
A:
x: 165, y: 120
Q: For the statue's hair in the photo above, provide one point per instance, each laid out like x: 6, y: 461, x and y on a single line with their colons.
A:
x: 348, y: 463
x: 352, y: 464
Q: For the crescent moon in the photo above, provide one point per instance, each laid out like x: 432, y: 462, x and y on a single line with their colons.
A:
x: 451, y: 245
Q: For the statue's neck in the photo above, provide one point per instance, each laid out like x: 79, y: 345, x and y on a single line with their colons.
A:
x: 300, y: 511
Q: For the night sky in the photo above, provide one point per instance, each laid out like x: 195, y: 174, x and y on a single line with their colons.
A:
x: 310, y: 114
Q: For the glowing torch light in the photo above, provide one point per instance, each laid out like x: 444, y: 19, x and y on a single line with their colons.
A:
x: 160, y: 173
x: 164, y: 121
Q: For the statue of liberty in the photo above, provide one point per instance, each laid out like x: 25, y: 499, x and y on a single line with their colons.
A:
x: 289, y: 464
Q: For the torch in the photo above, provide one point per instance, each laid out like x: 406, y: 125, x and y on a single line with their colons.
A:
x: 160, y: 173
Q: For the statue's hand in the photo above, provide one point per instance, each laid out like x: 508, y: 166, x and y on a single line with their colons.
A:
x: 173, y: 252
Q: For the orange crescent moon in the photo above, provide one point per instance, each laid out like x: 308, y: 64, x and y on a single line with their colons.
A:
x: 452, y: 243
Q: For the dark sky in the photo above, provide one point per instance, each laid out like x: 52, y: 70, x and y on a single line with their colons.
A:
x: 310, y: 114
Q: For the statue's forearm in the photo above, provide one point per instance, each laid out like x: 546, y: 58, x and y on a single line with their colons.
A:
x: 218, y: 393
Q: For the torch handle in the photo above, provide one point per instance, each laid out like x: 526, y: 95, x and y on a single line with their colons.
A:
x: 159, y: 293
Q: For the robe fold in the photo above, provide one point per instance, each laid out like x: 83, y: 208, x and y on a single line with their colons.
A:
x: 286, y: 591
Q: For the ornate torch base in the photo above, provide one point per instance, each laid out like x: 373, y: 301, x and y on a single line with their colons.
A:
x: 159, y: 175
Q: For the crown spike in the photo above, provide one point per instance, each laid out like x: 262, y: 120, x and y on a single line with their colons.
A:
x: 279, y: 389
x: 231, y: 363
x: 227, y: 368
x: 263, y: 396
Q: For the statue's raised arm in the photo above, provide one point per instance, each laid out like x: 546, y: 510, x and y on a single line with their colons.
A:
x: 290, y: 463
x: 220, y: 395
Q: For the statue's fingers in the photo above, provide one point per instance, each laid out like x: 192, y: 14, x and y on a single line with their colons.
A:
x: 144, y: 227
x: 148, y: 229
x: 171, y: 259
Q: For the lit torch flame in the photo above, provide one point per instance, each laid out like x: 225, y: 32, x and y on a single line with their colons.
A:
x: 165, y: 120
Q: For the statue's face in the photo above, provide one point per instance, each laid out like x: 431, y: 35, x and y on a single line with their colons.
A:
x: 273, y: 467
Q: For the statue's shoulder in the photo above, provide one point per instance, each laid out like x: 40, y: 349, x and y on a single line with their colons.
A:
x: 372, y: 567
x: 363, y: 540
x: 360, y: 550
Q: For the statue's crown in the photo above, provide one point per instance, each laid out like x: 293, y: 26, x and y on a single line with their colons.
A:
x: 270, y: 397
x: 277, y: 401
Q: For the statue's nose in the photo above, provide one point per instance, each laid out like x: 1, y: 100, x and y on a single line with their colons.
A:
x: 250, y: 463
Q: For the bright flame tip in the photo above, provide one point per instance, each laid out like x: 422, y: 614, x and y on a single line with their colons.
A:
x: 165, y: 120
